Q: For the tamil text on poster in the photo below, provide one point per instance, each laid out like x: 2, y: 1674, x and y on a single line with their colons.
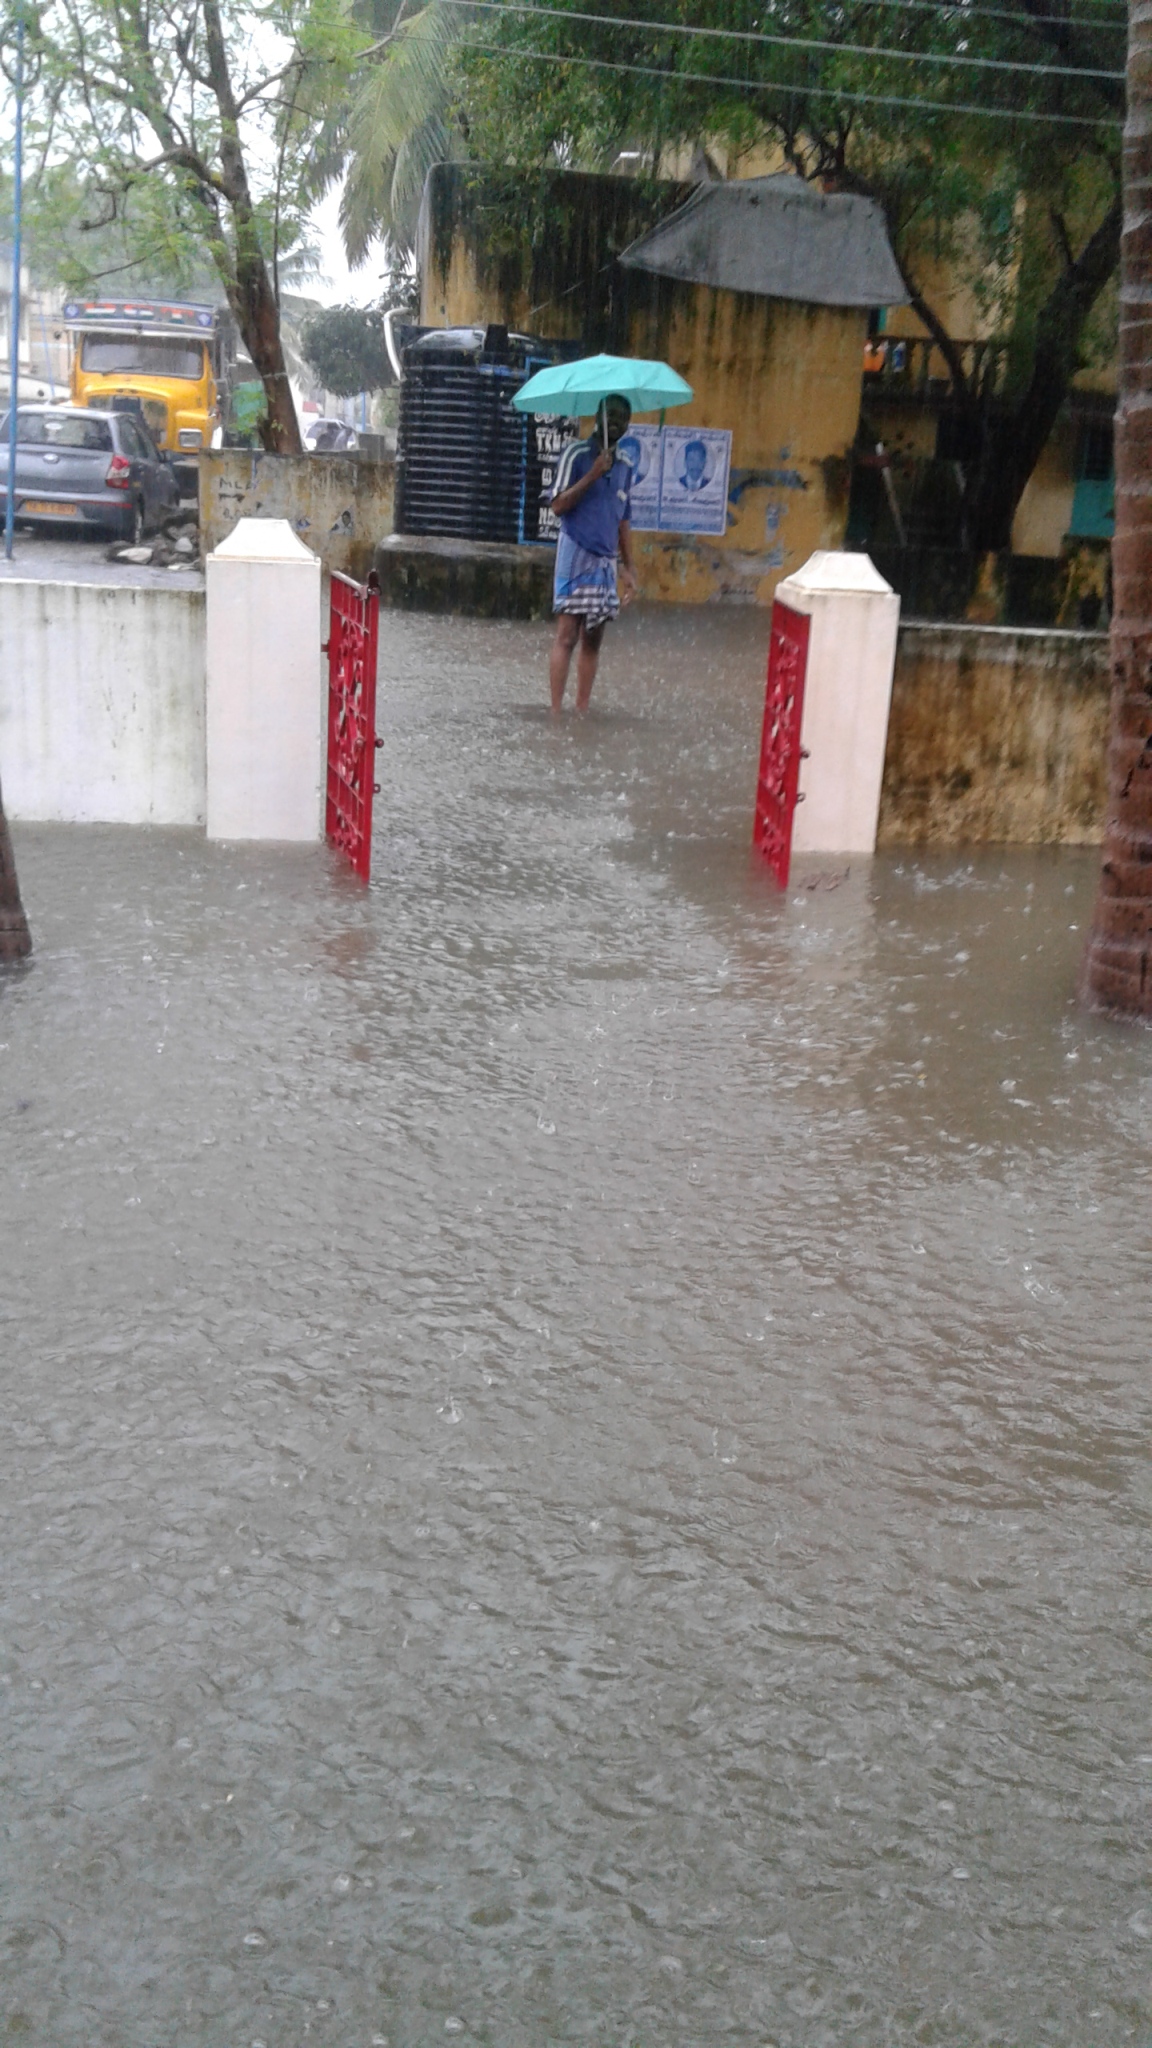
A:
x: 553, y: 433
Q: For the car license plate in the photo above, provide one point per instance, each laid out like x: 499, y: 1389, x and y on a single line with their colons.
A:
x: 48, y: 509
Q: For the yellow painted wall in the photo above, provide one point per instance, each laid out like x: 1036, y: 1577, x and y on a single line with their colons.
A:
x: 784, y: 377
x: 996, y: 736
x: 760, y: 160
x: 948, y: 282
x: 457, y: 298
x: 1045, y: 510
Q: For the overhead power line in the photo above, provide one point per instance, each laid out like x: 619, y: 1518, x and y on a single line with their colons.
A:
x: 851, y: 98
x: 758, y: 37
x: 961, y: 12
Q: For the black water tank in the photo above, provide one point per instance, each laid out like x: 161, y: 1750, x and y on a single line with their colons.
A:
x: 466, y: 463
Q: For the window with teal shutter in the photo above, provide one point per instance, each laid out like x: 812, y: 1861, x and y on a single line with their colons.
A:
x: 1093, y: 500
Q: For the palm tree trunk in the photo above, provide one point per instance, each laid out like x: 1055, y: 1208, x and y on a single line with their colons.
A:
x: 15, y: 938
x: 1118, y: 963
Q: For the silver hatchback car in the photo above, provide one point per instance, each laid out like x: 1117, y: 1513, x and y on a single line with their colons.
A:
x: 86, y: 469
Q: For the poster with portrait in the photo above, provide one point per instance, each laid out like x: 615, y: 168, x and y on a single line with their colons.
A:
x: 694, y: 479
x: 641, y: 447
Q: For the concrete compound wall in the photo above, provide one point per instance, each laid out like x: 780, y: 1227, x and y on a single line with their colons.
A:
x: 102, y: 703
x: 340, y: 505
x: 996, y: 734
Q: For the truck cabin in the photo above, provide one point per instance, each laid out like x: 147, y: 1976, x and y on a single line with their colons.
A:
x: 165, y: 354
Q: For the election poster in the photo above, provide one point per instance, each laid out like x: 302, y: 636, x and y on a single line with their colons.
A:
x: 641, y: 447
x: 679, y: 475
x: 694, y: 479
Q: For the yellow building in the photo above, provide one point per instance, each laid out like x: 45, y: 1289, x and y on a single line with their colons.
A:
x: 758, y: 291
x: 908, y: 411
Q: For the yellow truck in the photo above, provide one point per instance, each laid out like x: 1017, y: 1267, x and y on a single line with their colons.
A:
x: 172, y: 357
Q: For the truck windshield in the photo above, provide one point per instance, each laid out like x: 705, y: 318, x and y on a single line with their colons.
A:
x: 147, y: 355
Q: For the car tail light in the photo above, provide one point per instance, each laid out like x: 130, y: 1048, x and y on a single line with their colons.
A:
x: 119, y: 473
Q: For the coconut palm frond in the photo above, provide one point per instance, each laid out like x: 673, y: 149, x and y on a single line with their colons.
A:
x: 409, y: 83
x: 428, y: 144
x: 366, y: 206
x: 397, y: 119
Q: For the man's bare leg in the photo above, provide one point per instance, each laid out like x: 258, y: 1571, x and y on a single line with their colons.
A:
x: 587, y: 662
x: 560, y: 659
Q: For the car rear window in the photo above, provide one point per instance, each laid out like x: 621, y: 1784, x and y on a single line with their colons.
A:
x: 62, y: 430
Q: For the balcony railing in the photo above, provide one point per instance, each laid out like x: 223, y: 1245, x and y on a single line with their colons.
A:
x: 912, y: 368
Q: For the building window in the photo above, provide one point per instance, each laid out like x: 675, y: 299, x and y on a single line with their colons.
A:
x: 1095, y: 463
x: 1093, y: 500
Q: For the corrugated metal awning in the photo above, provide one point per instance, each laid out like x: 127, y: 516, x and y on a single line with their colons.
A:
x: 777, y: 237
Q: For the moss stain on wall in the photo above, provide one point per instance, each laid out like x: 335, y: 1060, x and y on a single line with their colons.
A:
x: 996, y: 736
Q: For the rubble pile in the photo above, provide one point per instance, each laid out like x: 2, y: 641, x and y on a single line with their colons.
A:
x: 175, y: 546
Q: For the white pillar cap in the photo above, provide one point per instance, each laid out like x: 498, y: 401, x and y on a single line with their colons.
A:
x: 263, y: 540
x: 830, y: 569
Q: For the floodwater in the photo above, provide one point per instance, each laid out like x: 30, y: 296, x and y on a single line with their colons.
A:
x: 577, y: 1434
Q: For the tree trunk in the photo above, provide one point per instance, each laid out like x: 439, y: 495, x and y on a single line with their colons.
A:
x: 259, y: 323
x: 1118, y: 963
x: 250, y: 292
x: 15, y: 938
x: 1014, y: 441
x: 247, y: 284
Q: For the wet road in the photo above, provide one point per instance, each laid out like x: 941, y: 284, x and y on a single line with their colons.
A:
x: 576, y: 1460
x: 58, y: 556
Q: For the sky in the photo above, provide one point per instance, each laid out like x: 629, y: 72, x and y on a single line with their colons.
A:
x: 339, y: 286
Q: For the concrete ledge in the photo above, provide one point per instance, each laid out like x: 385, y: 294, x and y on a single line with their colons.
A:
x: 996, y: 734
x: 102, y: 703
x: 481, y: 579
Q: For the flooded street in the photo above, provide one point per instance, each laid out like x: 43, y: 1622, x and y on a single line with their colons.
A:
x: 577, y: 1451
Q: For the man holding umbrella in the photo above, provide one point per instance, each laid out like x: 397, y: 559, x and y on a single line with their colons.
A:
x: 592, y: 500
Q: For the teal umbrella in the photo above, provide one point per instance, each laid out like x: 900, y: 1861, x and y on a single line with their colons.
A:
x: 578, y: 389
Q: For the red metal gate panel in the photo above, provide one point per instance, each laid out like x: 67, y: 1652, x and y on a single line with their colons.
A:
x: 780, y: 752
x: 351, y: 649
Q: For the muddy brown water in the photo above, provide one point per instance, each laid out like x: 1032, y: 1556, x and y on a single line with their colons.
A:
x: 576, y: 1433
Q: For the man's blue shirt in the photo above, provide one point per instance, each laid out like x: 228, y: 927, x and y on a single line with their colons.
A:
x: 594, y: 523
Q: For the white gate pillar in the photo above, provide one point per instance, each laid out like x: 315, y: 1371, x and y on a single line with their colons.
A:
x: 265, y: 701
x: 847, y: 692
